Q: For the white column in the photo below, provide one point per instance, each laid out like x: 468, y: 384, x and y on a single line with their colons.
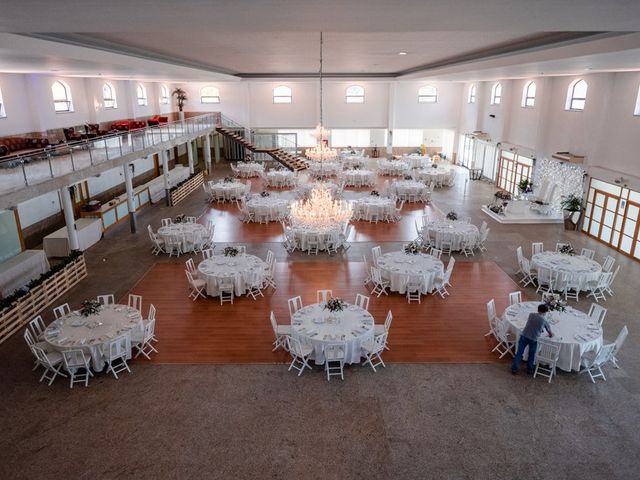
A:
x: 190, y: 156
x: 128, y: 183
x: 194, y: 145
x: 216, y: 147
x: 67, y: 208
x: 207, y: 152
x: 165, y: 172
x: 391, y: 118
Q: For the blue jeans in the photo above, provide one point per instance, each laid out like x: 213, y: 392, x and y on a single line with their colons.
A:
x: 523, y: 343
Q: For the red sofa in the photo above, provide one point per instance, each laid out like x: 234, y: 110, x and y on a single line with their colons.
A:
x: 157, y: 120
x: 126, y: 125
x: 15, y: 145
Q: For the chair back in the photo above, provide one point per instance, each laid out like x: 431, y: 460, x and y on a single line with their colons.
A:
x: 586, y: 252
x: 560, y: 245
x: 295, y: 347
x: 376, y: 252
x: 106, y: 299
x: 207, y: 253
x: 335, y: 352
x: 436, y: 252
x: 166, y: 222
x: 607, y: 264
x: 61, y: 310
x: 152, y: 312
x: 117, y: 348
x: 274, y: 323
x: 519, y: 254
x: 491, y: 309
x: 135, y: 302
x: 622, y: 336
x: 547, y: 352
x: 322, y: 296
x: 388, y: 320
x: 597, y: 313
x: 362, y: 301
x: 515, y: 297
x: 74, y: 359
x: 28, y: 337
x: 37, y: 327
x: 537, y: 247
x: 450, y: 265
x: 604, y: 354
x: 149, y: 330
x: 380, y: 342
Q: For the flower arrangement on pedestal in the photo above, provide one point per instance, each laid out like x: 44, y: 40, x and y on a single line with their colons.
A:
x: 90, y: 307
x: 553, y: 302
x: 264, y: 194
x: 567, y: 249
x: 525, y: 186
x: 335, y: 305
x: 231, y: 251
x: 499, y: 209
x: 374, y: 193
x: 453, y: 216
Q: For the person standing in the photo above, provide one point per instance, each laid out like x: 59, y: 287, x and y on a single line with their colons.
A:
x: 529, y: 338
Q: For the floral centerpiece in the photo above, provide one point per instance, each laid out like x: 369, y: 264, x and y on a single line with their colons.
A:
x: 355, y: 167
x: 335, y: 305
x: 228, y: 180
x: 264, y: 194
x: 434, y: 166
x: 412, y: 248
x: 525, y: 186
x: 231, y: 251
x: 453, y: 216
x: 90, y: 307
x: 374, y: 193
x: 408, y: 177
x: 567, y: 249
x: 179, y: 218
x: 502, y: 195
x: 554, y: 303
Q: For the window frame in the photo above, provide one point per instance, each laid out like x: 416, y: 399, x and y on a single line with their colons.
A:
x: 66, y: 100
x: 164, y: 95
x: 142, y: 100
x: 354, y: 97
x: 496, y: 94
x: 471, y: 96
x: 527, y: 96
x: 636, y: 110
x: 114, y: 103
x: 282, y: 99
x: 571, y: 96
x: 428, y: 97
x: 214, y: 98
x: 3, y: 111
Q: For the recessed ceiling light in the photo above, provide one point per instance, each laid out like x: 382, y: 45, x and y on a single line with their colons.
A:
x: 402, y: 53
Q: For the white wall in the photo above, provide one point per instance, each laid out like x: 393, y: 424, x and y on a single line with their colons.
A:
x: 17, y: 108
x: 445, y: 113
x: 234, y: 99
x: 303, y: 112
x: 39, y: 208
x: 373, y: 113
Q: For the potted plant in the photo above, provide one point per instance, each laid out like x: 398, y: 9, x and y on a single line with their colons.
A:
x: 571, y: 206
x: 525, y: 186
x: 181, y: 97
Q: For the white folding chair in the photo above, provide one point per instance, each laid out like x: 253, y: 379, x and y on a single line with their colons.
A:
x: 207, y: 253
x: 528, y: 276
x: 384, y: 328
x: 335, y: 353
x: 135, y: 302
x: 37, y: 327
x: 610, y: 281
x: 597, y: 313
x: 537, y: 247
x: 586, y: 252
x: 191, y: 266
x: 607, y: 264
x: 367, y: 270
x: 280, y: 332
x: 313, y: 244
x: 362, y: 301
x: 166, y: 222
x: 547, y: 280
x: 60, y: 311
x: 144, y: 347
x: 572, y: 286
x: 622, y: 336
x: 190, y: 219
x: 436, y: 252
x: 515, y: 297
x: 51, y: 361
x: 506, y: 341
x: 413, y: 290
x: 372, y: 351
x: 74, y: 361
x: 322, y: 296
x: 117, y: 351
x: 546, y: 359
x: 379, y: 286
x: 226, y: 290
x: 106, y: 299
x: 197, y: 286
x: 493, y: 319
x: 295, y: 304
x: 599, y: 288
x: 376, y: 252
x: 256, y: 284
x: 593, y: 363
x: 300, y: 353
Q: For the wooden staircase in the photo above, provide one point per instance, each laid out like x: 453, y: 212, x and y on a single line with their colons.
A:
x: 292, y: 162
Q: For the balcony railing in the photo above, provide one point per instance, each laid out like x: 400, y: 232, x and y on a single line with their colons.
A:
x: 38, y: 166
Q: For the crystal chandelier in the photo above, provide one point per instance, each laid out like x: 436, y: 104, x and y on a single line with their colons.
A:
x: 320, y: 211
x: 321, y: 151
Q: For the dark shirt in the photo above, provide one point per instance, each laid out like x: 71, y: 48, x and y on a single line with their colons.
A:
x: 535, y: 324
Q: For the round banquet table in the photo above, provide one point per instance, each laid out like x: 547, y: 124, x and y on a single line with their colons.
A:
x: 302, y: 233
x: 567, y: 266
x: 230, y: 190
x: 417, y: 161
x: 392, y: 167
x: 92, y: 334
x: 305, y: 189
x: 572, y: 329
x: 281, y: 178
x: 438, y: 175
x: 269, y: 208
x: 242, y: 268
x: 420, y: 268
x: 383, y: 207
x: 404, y: 188
x: 313, y: 325
x: 353, y: 161
x: 359, y: 178
x: 250, y: 169
x: 327, y: 169
x: 187, y: 232
x: 456, y: 231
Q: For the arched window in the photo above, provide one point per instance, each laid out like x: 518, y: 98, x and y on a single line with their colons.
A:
x: 529, y: 94
x: 355, y: 94
x: 61, y: 97
x: 3, y: 112
x: 141, y: 94
x: 472, y: 94
x: 496, y: 93
x: 576, y: 95
x: 164, y: 94
x: 109, y: 96
x: 427, y: 94
x: 282, y: 94
x: 209, y: 95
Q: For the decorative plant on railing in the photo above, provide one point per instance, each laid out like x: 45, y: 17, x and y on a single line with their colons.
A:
x: 374, y: 193
x: 452, y: 215
x: 90, y: 307
x: 264, y: 194
x: 553, y: 302
x: 335, y: 304
x: 231, y: 251
x: 567, y: 249
x: 525, y: 186
x: 572, y: 203
x: 181, y: 97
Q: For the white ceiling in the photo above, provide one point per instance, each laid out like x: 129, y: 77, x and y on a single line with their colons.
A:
x: 204, y: 40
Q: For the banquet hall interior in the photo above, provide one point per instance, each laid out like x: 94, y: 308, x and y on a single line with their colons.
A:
x: 303, y: 239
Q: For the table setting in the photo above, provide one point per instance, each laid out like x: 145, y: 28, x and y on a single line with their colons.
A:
x: 439, y: 175
x: 567, y: 265
x: 421, y: 268
x: 318, y: 326
x: 392, y: 167
x: 574, y: 330
x: 359, y: 178
x: 382, y: 207
x: 189, y: 233
x: 250, y: 169
x: 268, y: 206
x: 281, y: 178
x: 417, y: 161
x: 242, y: 268
x: 408, y: 188
x: 228, y: 188
x: 324, y: 169
x: 455, y: 231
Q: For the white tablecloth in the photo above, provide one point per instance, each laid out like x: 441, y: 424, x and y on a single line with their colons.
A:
x: 437, y: 175
x: 417, y: 161
x: 326, y: 169
x: 19, y: 270
x: 281, y: 178
x: 302, y: 233
x: 89, y: 232
x: 305, y: 189
x: 404, y: 188
x: 353, y: 161
x: 241, y: 268
x: 455, y: 231
x: 572, y: 329
x: 381, y: 206
x: 187, y: 232
x: 392, y: 167
x: 588, y: 270
x: 250, y: 169
x: 352, y: 326
x: 359, y: 177
x: 272, y: 207
x: 395, y: 267
x: 230, y: 190
x: 92, y: 333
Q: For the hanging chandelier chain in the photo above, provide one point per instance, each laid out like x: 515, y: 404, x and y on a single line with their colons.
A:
x: 321, y: 105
